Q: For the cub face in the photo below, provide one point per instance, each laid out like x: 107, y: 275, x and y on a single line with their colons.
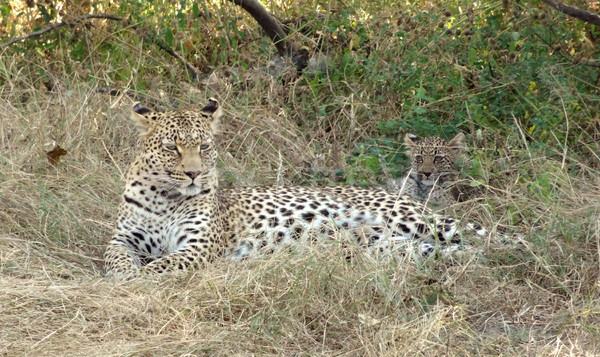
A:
x: 433, y: 158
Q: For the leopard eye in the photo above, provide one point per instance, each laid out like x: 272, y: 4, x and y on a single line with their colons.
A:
x: 418, y: 158
x: 203, y: 147
x: 170, y: 147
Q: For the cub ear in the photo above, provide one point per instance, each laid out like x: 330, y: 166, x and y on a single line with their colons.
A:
x: 213, y: 109
x: 410, y: 141
x: 457, y: 145
x: 144, y: 118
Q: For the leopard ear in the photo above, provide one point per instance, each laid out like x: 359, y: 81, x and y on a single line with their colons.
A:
x: 144, y: 118
x: 410, y: 141
x: 213, y: 109
x: 457, y: 145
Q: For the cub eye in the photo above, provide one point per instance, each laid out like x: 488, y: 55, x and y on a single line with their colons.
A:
x: 203, y: 146
x: 419, y: 158
x: 170, y: 147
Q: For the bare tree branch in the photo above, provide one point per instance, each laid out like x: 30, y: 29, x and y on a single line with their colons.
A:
x: 285, y: 46
x: 196, y: 74
x: 56, y: 25
x: 575, y: 12
x: 269, y: 24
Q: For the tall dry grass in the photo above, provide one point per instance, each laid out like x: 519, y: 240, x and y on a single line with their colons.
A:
x: 56, y: 219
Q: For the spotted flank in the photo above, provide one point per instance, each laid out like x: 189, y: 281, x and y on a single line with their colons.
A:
x: 273, y: 219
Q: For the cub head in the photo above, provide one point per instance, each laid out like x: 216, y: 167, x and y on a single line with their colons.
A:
x: 433, y: 158
x: 179, y: 152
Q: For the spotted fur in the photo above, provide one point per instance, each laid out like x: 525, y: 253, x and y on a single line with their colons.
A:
x: 432, y: 175
x: 174, y: 216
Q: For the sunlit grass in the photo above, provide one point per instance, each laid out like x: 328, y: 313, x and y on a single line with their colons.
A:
x: 528, y: 175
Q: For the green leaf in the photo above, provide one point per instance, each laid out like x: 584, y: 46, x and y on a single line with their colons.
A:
x: 475, y: 183
x: 420, y: 94
x: 419, y: 110
x: 168, y: 37
x: 472, y: 56
x: 45, y: 14
x: 372, y: 164
x: 5, y: 10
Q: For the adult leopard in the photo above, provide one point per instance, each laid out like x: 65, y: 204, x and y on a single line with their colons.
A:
x: 174, y: 216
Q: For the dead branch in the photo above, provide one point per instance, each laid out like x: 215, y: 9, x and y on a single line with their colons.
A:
x: 269, y: 25
x: 285, y: 46
x: 575, y: 12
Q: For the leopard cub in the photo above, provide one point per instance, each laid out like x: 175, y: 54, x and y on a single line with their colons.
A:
x: 432, y: 175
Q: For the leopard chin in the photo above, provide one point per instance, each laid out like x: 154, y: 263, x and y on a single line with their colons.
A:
x: 193, y: 189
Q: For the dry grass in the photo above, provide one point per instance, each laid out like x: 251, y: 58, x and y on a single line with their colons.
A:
x: 55, y: 221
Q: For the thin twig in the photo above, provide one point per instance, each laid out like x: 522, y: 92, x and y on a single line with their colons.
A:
x: 565, y: 148
x: 56, y: 25
x: 522, y: 135
x: 195, y: 73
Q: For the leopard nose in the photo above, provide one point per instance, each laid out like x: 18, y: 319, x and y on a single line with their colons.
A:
x: 192, y: 174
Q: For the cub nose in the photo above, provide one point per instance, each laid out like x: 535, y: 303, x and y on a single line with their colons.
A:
x: 192, y: 174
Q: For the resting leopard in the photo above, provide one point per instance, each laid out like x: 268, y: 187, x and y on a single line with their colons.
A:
x: 432, y: 177
x: 174, y: 216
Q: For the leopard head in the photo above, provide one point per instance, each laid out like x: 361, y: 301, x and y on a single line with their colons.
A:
x: 179, y: 153
x: 433, y: 158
